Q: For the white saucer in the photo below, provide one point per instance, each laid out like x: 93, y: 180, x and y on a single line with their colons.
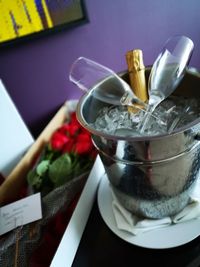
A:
x: 167, y: 237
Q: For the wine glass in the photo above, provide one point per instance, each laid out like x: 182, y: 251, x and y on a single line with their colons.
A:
x: 167, y: 72
x: 88, y: 74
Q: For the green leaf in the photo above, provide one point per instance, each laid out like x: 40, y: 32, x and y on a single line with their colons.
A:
x: 77, y: 169
x: 42, y: 167
x: 34, y: 179
x: 60, y: 170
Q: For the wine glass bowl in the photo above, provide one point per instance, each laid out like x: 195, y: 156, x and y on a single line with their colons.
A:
x: 86, y: 74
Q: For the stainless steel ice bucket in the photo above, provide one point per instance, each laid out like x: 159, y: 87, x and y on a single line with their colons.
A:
x: 151, y: 176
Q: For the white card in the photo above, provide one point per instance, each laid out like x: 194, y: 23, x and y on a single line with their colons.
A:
x: 20, y: 212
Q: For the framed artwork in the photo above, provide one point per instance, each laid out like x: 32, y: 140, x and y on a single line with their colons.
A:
x: 22, y: 19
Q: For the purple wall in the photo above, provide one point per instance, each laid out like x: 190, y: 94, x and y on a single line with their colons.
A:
x: 36, y: 73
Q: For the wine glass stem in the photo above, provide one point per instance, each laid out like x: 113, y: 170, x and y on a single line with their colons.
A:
x: 148, y: 113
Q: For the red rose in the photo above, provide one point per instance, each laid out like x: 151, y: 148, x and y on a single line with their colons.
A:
x: 70, y: 129
x: 83, y: 148
x: 68, y: 146
x: 73, y: 117
x: 83, y: 137
x: 84, y: 144
x: 73, y: 129
x: 64, y: 128
x: 58, y: 140
x: 74, y: 125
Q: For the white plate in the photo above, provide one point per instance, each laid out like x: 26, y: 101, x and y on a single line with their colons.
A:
x: 167, y: 237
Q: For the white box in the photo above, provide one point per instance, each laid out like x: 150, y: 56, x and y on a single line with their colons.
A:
x: 15, y: 137
x: 68, y: 246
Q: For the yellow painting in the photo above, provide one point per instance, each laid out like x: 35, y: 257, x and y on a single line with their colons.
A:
x: 20, y: 18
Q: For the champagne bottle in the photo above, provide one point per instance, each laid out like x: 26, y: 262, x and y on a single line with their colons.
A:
x: 136, y: 70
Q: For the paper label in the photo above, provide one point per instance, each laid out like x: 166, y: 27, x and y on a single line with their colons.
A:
x: 20, y: 212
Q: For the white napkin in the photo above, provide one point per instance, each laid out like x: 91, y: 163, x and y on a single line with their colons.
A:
x: 135, y: 225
